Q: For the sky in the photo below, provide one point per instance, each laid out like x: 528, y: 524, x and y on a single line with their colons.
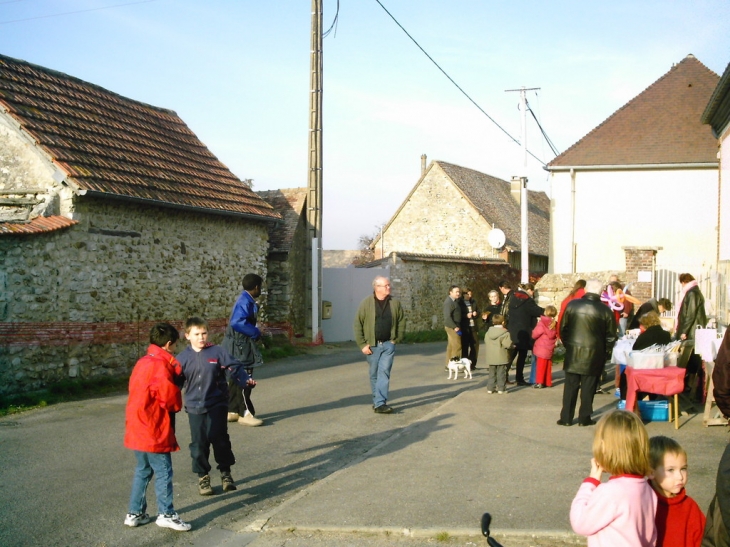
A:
x: 237, y: 72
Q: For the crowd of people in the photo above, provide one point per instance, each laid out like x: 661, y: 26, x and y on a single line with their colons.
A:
x: 217, y: 382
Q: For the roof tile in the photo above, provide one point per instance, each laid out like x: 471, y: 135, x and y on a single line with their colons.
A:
x: 117, y: 146
x: 36, y: 226
x: 661, y: 125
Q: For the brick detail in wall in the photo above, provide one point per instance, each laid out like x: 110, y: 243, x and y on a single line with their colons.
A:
x: 640, y: 259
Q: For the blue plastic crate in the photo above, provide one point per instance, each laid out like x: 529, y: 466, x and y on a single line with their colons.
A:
x: 651, y: 411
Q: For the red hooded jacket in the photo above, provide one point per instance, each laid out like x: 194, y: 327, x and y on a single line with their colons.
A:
x: 153, y: 400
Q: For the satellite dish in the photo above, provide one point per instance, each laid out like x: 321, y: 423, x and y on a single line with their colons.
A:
x: 496, y: 238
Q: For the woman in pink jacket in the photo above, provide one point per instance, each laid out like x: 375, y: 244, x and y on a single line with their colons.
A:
x: 621, y: 510
x: 545, y: 334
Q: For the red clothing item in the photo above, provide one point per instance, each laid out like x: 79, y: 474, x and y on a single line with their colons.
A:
x: 153, y: 399
x: 544, y: 374
x: 578, y: 294
x: 544, y: 337
x: 679, y: 521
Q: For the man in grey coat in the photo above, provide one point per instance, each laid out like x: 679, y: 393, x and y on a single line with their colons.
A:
x: 588, y: 331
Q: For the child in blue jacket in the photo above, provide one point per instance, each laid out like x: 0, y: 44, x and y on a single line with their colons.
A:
x: 206, y: 369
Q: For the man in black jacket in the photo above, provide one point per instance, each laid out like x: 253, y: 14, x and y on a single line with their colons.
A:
x: 588, y: 332
x: 452, y: 324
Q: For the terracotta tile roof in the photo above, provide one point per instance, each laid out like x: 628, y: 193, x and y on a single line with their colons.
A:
x: 38, y: 225
x: 659, y: 126
x: 289, y: 203
x: 492, y: 198
x: 113, y: 146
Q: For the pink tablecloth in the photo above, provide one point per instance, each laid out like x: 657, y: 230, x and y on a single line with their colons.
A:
x: 663, y: 381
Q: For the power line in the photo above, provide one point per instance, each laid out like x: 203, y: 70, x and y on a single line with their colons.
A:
x: 547, y: 139
x: 73, y: 12
x: 334, y: 22
x: 457, y: 85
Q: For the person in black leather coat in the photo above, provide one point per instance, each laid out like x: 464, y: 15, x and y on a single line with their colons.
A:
x: 691, y: 314
x: 588, y: 332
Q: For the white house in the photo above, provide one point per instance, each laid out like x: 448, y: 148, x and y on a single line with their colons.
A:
x: 645, y: 177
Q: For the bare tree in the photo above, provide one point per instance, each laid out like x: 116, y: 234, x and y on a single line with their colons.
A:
x: 367, y: 254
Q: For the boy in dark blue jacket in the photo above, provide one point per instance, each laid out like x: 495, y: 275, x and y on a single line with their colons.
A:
x: 240, y: 341
x: 206, y: 369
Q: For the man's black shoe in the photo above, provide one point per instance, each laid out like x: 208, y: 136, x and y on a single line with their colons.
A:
x: 561, y: 422
x: 523, y: 383
x: 383, y: 409
x: 585, y: 424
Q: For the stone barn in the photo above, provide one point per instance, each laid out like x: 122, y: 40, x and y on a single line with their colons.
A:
x: 286, y: 282
x: 113, y: 216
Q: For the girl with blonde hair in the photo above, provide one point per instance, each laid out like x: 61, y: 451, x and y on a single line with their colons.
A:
x: 621, y: 510
x: 545, y: 335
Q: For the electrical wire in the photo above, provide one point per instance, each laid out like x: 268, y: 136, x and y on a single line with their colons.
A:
x: 334, y: 22
x: 547, y: 139
x: 73, y: 12
x: 457, y: 85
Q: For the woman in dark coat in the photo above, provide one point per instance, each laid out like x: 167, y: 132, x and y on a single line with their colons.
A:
x: 691, y: 314
x: 493, y: 308
x: 523, y: 315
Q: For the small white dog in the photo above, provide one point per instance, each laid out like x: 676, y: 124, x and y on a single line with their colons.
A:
x: 457, y: 366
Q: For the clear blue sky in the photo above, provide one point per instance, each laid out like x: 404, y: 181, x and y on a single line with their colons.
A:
x: 237, y: 72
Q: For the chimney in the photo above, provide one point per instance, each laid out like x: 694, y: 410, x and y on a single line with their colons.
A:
x: 515, y: 188
x: 423, y: 164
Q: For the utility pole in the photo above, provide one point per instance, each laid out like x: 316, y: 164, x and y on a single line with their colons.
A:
x: 525, y: 252
x: 314, y: 182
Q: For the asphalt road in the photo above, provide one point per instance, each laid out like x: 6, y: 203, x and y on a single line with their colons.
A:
x: 324, y: 469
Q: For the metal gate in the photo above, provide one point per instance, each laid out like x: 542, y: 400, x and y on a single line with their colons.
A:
x: 713, y: 282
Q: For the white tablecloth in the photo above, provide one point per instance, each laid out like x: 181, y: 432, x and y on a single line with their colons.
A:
x: 621, y: 350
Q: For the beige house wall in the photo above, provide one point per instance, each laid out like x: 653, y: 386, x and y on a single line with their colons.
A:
x: 672, y: 209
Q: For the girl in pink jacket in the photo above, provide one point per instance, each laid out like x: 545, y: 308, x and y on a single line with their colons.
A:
x: 545, y: 334
x: 620, y: 511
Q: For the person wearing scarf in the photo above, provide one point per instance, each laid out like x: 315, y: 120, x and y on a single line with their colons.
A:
x: 691, y: 314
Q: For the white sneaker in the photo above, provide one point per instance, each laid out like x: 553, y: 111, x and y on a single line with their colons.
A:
x: 501, y: 392
x: 233, y: 417
x: 136, y: 520
x: 490, y: 391
x: 172, y: 521
x: 251, y: 420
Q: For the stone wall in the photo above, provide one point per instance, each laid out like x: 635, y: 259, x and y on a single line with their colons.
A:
x: 70, y: 300
x: 286, y: 284
x: 422, y: 286
x: 553, y: 288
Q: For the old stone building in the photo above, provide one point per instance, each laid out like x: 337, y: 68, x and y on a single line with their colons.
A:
x: 286, y: 282
x: 113, y: 216
x: 451, y: 211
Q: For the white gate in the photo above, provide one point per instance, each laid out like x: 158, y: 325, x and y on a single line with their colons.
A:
x: 712, y: 282
x: 345, y: 288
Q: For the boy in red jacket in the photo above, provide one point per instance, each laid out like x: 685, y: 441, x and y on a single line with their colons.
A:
x: 679, y: 520
x: 154, y: 398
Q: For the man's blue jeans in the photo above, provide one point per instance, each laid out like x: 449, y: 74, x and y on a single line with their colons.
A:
x: 148, y: 464
x: 381, y: 361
